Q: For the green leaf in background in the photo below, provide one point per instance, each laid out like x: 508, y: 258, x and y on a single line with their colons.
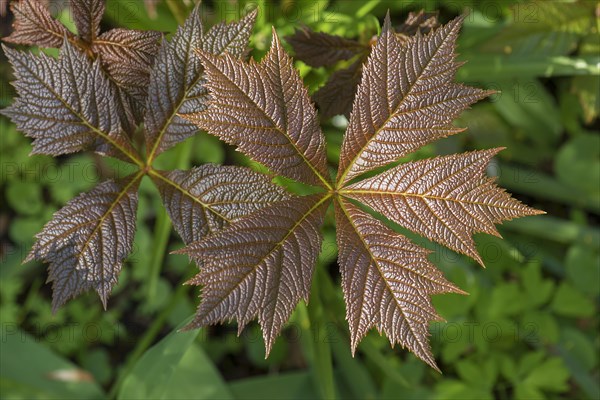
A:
x: 583, y: 269
x: 551, y: 376
x: 543, y: 27
x: 25, y: 197
x: 577, y: 164
x: 29, y: 369
x: 174, y: 368
x: 291, y: 385
x: 569, y: 302
x: 537, y: 290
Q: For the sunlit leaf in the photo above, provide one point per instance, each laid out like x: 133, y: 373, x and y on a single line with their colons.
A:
x: 387, y: 282
x: 405, y: 100
x: 446, y: 199
x: 33, y: 25
x: 265, y: 110
x: 177, y: 84
x: 201, y: 201
x: 87, y: 15
x: 66, y: 105
x: 261, y: 265
x: 87, y: 240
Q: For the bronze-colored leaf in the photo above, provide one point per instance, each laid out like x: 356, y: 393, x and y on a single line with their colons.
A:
x: 87, y: 15
x: 261, y: 265
x: 66, y: 105
x: 87, y: 240
x: 177, y: 84
x: 128, y: 56
x: 405, y: 100
x: 387, y: 282
x: 319, y: 49
x: 203, y: 200
x: 446, y: 199
x: 265, y: 110
x: 230, y: 37
x: 34, y: 26
x: 337, y: 95
x: 420, y: 22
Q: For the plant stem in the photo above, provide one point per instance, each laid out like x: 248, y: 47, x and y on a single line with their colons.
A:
x: 179, y: 11
x: 146, y: 341
x: 322, y: 360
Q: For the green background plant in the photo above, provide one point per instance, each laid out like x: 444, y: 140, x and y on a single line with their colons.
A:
x: 527, y: 330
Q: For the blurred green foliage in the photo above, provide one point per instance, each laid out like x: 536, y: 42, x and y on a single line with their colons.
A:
x: 528, y: 329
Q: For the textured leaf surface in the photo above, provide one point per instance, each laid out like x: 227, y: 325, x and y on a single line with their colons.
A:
x: 387, y: 282
x: 405, y: 100
x: 337, y: 95
x: 66, y: 105
x: 201, y: 201
x: 177, y: 84
x: 34, y: 26
x: 87, y: 240
x: 319, y: 49
x: 230, y: 37
x: 127, y: 56
x: 446, y: 199
x: 87, y: 15
x: 265, y: 110
x: 261, y: 265
x: 417, y: 22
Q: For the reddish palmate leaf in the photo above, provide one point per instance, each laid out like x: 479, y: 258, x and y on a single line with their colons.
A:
x: 66, y: 105
x: 201, y: 201
x: 405, y: 100
x: 264, y: 109
x: 35, y: 26
x: 87, y: 240
x: 387, y: 281
x: 337, y: 95
x: 446, y: 199
x: 261, y: 265
x: 176, y: 85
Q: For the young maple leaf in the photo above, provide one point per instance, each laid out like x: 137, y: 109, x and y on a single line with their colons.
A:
x: 261, y: 265
x: 69, y: 104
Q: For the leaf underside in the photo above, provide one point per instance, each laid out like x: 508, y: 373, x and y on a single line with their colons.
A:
x: 387, y: 281
x: 177, y: 85
x: 66, y: 105
x: 203, y: 200
x: 261, y: 265
x: 87, y: 240
x: 446, y: 199
x: 265, y: 111
x: 405, y: 100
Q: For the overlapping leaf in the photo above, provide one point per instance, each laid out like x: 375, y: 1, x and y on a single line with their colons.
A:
x: 87, y: 240
x: 446, y: 199
x: 261, y: 265
x: 387, y: 281
x: 34, y: 26
x: 87, y: 15
x: 66, y: 105
x: 405, y: 100
x: 127, y: 55
x: 176, y: 85
x: 264, y: 109
x: 319, y: 49
x: 201, y: 201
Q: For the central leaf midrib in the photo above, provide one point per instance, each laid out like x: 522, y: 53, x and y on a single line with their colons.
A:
x: 273, y: 249
x: 268, y: 117
x: 342, y: 179
x: 382, y: 275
